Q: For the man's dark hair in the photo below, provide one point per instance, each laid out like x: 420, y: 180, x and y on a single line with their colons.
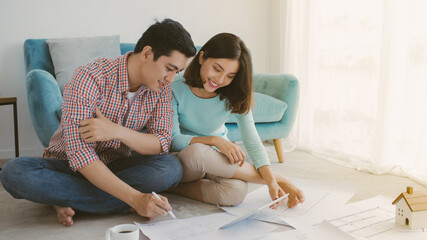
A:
x: 164, y: 37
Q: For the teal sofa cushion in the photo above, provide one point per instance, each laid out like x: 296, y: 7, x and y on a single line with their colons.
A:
x: 267, y: 109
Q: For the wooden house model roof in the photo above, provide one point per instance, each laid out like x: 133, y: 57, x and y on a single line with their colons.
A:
x: 416, y: 201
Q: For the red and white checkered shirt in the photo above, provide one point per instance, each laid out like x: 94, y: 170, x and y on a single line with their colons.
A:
x: 104, y: 83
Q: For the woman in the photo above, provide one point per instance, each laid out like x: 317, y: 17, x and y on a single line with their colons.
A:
x: 218, y: 84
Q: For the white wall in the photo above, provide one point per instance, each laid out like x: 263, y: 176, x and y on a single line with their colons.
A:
x: 23, y: 19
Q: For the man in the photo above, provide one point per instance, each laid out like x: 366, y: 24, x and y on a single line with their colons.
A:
x: 88, y: 165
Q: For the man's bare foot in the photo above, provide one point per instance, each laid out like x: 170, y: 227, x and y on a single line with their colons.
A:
x: 65, y: 215
x: 296, y: 196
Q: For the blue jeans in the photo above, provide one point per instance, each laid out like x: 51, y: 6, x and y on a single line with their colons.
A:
x: 51, y: 181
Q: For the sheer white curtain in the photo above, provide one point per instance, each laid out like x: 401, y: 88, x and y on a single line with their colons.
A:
x: 362, y: 66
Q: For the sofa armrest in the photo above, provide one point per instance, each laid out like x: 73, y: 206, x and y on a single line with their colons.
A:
x: 44, y: 103
x: 284, y: 87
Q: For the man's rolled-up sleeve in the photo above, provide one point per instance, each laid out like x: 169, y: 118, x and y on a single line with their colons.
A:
x: 79, y: 101
x: 160, y: 123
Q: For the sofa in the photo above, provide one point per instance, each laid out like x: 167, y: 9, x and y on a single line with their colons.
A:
x: 276, y: 98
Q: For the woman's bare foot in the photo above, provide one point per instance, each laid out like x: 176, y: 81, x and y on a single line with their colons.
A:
x: 65, y: 215
x: 296, y: 196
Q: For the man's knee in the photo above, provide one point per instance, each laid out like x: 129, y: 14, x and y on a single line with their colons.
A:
x: 176, y: 169
x: 14, y: 172
x: 231, y: 192
x: 171, y: 170
x: 11, y: 168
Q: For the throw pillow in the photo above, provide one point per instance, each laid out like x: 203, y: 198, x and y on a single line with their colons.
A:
x: 70, y: 53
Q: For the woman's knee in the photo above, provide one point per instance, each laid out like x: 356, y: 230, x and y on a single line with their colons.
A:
x: 234, y: 192
x: 197, y: 156
x: 192, y: 159
x: 230, y: 192
x: 192, y: 156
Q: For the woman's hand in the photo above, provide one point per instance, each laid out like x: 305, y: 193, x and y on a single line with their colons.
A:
x: 278, y: 186
x: 231, y: 150
x: 296, y: 196
x: 276, y: 192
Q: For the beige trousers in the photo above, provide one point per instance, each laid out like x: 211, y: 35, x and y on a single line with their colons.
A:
x: 202, y: 163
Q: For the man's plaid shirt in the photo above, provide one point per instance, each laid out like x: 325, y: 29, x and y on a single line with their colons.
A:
x: 104, y: 83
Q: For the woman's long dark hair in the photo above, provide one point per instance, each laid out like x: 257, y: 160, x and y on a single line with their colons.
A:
x: 238, y: 94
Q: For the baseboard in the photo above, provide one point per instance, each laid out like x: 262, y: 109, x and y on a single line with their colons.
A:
x: 8, y: 154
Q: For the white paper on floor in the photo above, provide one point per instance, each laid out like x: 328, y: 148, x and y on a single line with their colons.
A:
x: 206, y: 227
x: 319, y: 197
x: 322, y: 231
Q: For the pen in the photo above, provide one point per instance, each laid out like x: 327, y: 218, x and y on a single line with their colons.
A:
x: 170, y: 212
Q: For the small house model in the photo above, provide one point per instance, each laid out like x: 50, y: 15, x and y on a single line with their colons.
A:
x: 411, y: 209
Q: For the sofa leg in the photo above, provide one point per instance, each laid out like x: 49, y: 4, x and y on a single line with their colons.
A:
x: 279, y: 149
